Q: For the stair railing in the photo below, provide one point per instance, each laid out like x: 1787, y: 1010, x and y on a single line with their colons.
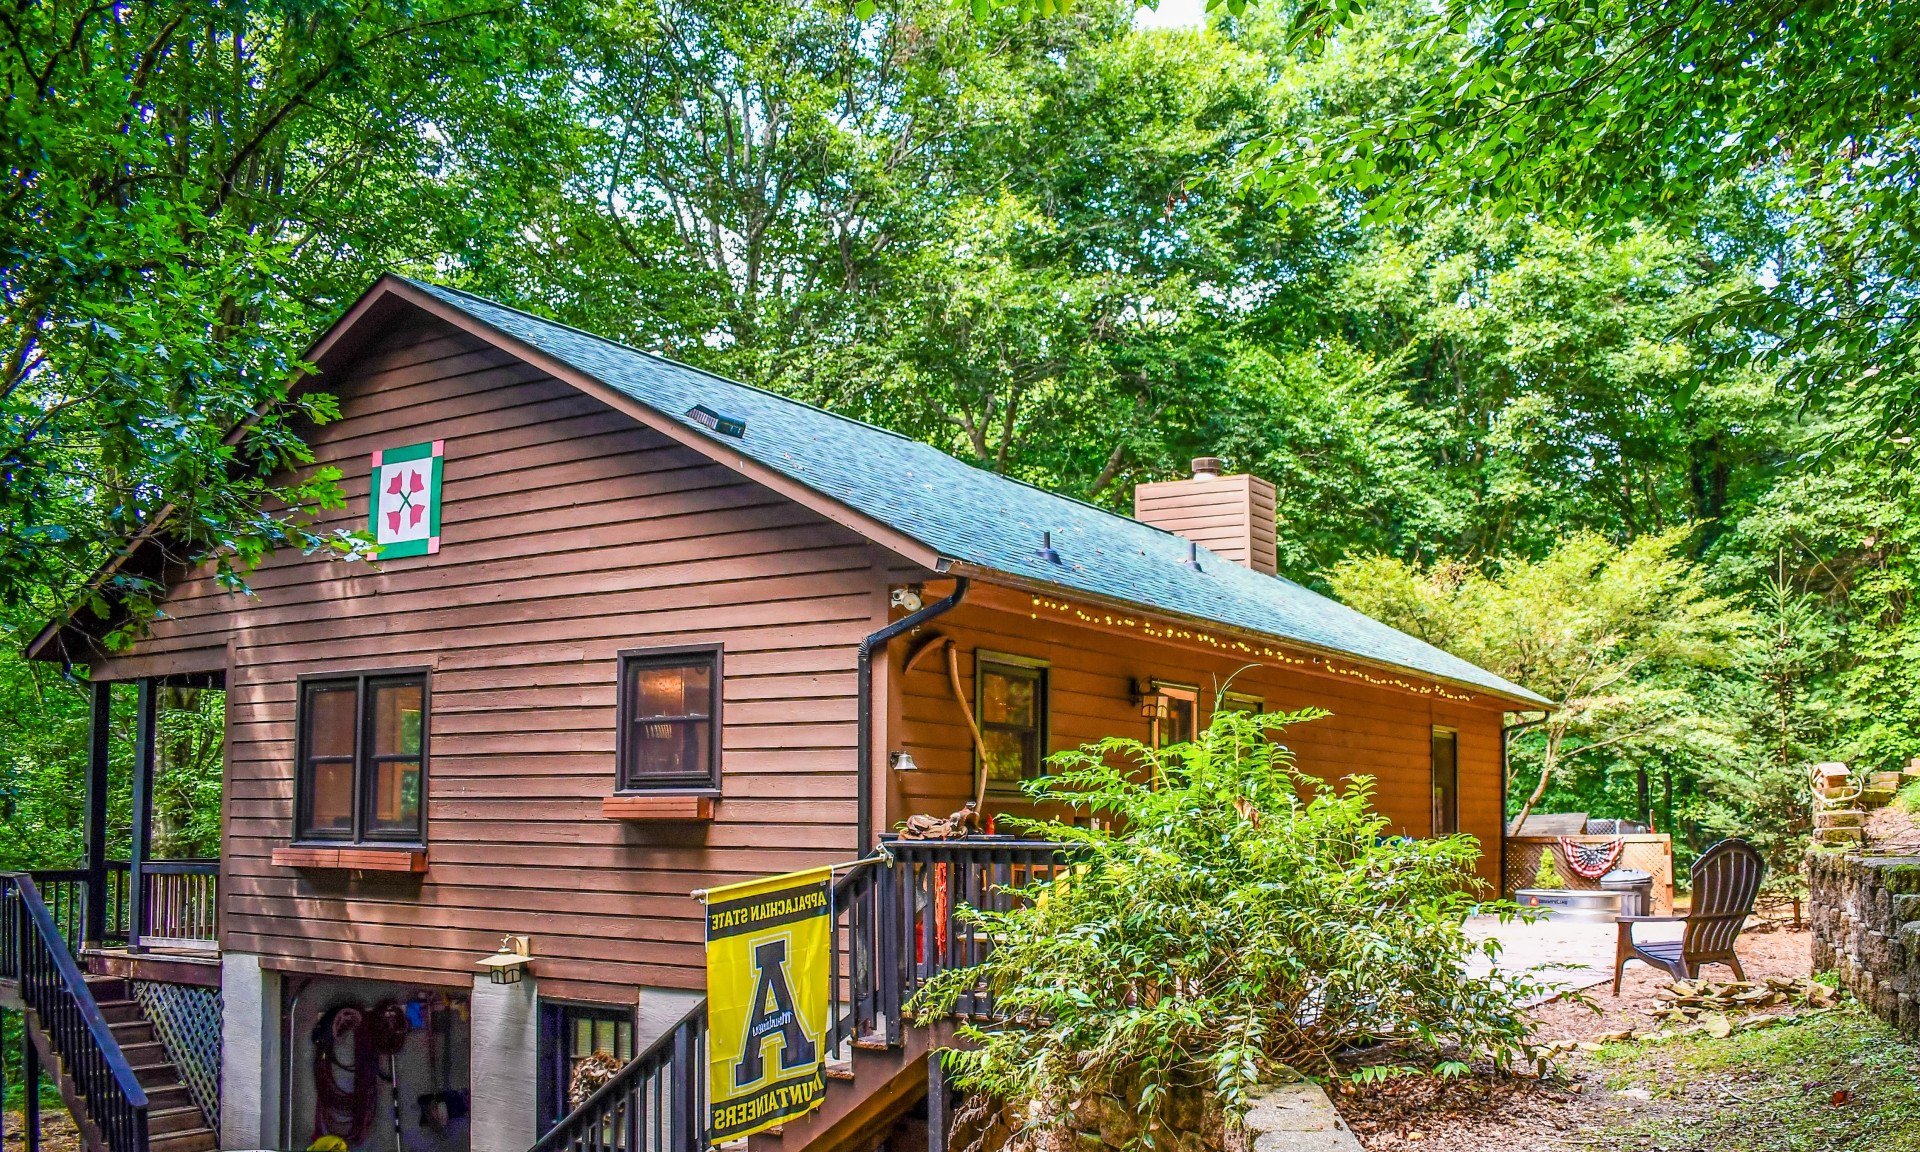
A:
x: 33, y: 953
x: 657, y: 1103
x: 860, y: 999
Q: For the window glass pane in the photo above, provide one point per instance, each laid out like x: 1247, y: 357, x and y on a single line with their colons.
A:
x: 603, y: 1036
x: 396, y: 719
x: 1007, y: 753
x: 395, y: 805
x: 582, y: 1037
x: 1006, y: 698
x: 669, y: 748
x: 624, y: 1050
x: 330, y: 720
x: 1179, y: 726
x: 680, y: 690
x: 329, y: 799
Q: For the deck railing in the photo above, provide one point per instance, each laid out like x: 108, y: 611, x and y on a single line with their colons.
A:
x: 657, y: 1103
x: 181, y: 903
x: 896, y: 926
x: 932, y: 879
x: 35, y: 955
x: 68, y: 894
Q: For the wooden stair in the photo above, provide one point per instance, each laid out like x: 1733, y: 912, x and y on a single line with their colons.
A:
x: 866, y: 1096
x: 174, y: 1122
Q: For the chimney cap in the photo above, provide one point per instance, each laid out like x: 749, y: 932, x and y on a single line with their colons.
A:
x: 1208, y: 467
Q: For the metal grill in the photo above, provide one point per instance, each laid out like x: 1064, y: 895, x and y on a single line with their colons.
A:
x: 187, y: 1021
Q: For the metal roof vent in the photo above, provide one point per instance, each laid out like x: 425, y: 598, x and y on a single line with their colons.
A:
x: 1193, y: 556
x: 716, y: 421
x: 1208, y: 467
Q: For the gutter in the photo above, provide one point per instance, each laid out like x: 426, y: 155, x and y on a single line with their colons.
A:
x: 863, y: 740
x: 1531, y: 702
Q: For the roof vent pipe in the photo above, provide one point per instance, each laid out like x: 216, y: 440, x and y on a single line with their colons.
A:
x: 1046, y: 548
x: 1193, y: 556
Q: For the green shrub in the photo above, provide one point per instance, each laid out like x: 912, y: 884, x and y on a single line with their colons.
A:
x: 1908, y: 798
x: 1243, y: 916
x: 1548, y: 874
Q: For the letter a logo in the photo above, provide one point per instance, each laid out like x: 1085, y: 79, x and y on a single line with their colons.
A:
x: 772, y: 1013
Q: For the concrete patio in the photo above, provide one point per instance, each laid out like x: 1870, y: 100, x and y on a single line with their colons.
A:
x: 1586, y: 946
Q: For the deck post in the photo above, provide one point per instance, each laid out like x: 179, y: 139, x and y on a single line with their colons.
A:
x: 146, y: 735
x: 95, y: 933
x: 30, y: 1081
x: 938, y: 1098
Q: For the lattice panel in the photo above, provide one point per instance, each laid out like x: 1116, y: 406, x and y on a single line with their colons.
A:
x: 187, y: 1021
x: 1651, y: 854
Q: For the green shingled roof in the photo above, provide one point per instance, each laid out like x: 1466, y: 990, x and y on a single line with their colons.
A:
x: 979, y: 517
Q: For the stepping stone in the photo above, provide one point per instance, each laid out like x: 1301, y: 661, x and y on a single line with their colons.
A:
x: 1296, y: 1117
x: 1844, y: 818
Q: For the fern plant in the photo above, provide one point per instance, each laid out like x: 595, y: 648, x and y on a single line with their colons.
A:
x: 1228, y: 914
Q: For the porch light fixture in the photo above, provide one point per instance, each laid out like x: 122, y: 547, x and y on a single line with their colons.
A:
x: 509, y: 964
x: 1153, y: 705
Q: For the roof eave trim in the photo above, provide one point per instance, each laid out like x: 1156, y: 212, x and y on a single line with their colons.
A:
x: 1028, y: 584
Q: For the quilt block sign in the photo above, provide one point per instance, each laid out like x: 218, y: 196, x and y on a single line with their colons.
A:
x: 404, y: 512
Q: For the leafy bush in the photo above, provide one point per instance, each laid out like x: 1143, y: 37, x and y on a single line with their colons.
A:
x: 1243, y: 915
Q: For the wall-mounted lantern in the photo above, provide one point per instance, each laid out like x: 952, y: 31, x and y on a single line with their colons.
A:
x: 513, y: 960
x: 1153, y: 705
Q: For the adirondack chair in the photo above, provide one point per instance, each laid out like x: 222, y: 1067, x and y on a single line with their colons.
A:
x: 1726, y: 879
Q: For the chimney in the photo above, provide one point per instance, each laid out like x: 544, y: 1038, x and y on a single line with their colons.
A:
x: 1232, y: 515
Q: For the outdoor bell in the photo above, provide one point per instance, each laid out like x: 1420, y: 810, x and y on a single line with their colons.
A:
x: 509, y: 964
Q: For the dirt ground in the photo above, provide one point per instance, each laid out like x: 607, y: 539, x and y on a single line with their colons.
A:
x: 1578, y: 1107
x: 57, y: 1133
x: 1891, y: 829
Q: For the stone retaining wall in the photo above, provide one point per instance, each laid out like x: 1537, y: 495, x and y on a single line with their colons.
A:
x: 1866, y: 926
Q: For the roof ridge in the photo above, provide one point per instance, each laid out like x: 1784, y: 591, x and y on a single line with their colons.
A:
x: 841, y: 416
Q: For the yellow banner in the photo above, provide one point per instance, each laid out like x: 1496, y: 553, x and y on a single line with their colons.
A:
x: 768, y: 959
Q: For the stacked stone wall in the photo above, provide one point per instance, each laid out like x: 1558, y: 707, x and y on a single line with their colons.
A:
x: 1865, y: 911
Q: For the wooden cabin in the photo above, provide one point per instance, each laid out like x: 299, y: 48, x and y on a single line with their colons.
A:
x: 636, y: 630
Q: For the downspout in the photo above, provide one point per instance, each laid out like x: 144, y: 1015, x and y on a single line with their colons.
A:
x: 863, y: 738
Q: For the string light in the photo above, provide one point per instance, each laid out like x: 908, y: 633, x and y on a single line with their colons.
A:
x: 1239, y: 647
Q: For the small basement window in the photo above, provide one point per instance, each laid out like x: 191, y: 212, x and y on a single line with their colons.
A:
x: 362, y: 758
x: 669, y: 717
x: 1011, y: 697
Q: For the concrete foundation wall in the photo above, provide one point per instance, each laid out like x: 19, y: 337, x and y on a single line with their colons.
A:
x: 1866, y: 926
x: 249, y: 1053
x: 506, y: 1053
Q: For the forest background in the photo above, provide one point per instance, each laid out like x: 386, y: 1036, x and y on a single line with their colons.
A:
x: 1561, y: 431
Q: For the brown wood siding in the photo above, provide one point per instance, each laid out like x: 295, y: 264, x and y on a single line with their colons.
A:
x: 1377, y: 730
x: 1232, y: 515
x: 570, y: 532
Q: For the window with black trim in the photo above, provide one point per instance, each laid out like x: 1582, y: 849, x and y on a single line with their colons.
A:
x: 669, y: 717
x: 362, y: 758
x: 1010, y: 694
x: 579, y: 1045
